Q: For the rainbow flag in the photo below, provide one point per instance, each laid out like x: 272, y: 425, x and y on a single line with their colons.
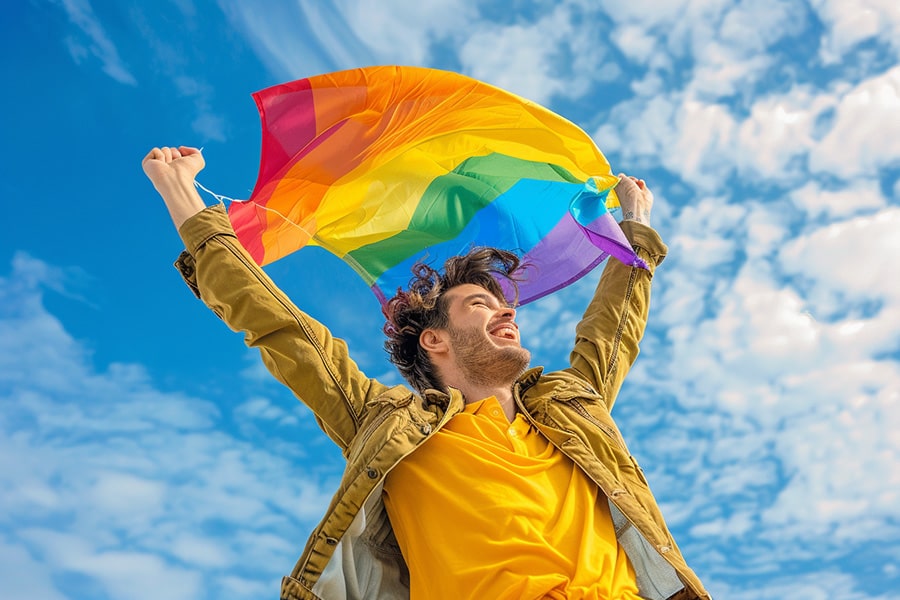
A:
x: 384, y: 166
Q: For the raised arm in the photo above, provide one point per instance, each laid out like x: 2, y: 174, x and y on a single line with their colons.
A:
x: 298, y: 350
x: 607, y: 338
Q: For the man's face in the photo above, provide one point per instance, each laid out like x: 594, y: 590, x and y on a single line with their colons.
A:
x: 484, y: 336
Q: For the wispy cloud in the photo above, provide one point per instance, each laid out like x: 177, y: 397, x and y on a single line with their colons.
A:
x: 298, y: 39
x: 174, y: 61
x: 553, y: 55
x: 93, y: 41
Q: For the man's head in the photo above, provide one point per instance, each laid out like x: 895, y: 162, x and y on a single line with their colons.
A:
x: 462, y: 307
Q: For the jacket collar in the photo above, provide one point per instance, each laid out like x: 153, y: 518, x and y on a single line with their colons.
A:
x: 442, y: 399
x: 530, y: 377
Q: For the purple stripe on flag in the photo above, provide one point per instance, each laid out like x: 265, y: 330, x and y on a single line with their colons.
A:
x: 580, y: 244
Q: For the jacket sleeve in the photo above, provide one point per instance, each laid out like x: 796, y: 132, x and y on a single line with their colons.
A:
x: 298, y: 350
x: 607, y: 338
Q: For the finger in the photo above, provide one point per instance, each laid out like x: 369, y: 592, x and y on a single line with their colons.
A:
x: 188, y: 150
x: 637, y: 181
x: 154, y: 154
x: 626, y: 182
x: 176, y: 153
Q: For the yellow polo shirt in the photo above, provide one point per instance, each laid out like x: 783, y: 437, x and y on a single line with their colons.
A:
x: 491, y: 509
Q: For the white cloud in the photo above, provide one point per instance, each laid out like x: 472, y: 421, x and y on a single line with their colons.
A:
x: 636, y: 42
x: 726, y: 43
x: 841, y: 457
x: 24, y: 578
x: 98, y: 43
x: 752, y: 27
x: 821, y: 585
x: 125, y: 494
x: 852, y: 257
x: 209, y: 126
x: 733, y: 56
x: 203, y: 551
x: 121, y: 574
x: 849, y: 24
x: 263, y: 409
x: 781, y: 139
x: 722, y: 74
x: 640, y: 129
x: 778, y: 130
x: 865, y: 135
x: 143, y: 493
x: 508, y: 57
x: 554, y: 55
x: 702, y: 148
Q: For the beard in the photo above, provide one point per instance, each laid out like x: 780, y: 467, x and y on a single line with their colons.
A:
x: 482, y: 363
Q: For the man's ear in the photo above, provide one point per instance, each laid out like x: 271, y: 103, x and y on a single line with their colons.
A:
x: 434, y: 341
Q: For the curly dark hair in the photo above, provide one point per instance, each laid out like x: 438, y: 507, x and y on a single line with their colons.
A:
x: 423, y: 306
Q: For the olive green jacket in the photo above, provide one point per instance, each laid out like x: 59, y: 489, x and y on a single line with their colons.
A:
x: 353, y: 554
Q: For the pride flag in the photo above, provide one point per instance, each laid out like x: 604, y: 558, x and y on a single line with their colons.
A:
x: 384, y: 166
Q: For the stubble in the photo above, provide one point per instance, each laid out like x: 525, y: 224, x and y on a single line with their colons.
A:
x: 486, y: 364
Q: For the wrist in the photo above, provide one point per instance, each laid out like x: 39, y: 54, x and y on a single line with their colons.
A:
x: 173, y: 183
x: 638, y: 216
x: 181, y: 198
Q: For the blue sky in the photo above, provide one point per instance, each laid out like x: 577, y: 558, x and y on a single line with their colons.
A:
x: 144, y: 453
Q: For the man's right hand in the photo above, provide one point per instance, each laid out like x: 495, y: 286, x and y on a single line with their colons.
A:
x: 172, y: 171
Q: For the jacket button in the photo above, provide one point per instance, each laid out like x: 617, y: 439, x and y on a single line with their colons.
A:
x: 664, y: 549
x: 331, y: 541
x: 372, y: 473
x: 425, y: 429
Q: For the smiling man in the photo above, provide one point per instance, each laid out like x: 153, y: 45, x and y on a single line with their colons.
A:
x: 489, y: 480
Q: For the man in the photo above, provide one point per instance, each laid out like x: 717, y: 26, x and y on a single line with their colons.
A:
x: 492, y: 480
